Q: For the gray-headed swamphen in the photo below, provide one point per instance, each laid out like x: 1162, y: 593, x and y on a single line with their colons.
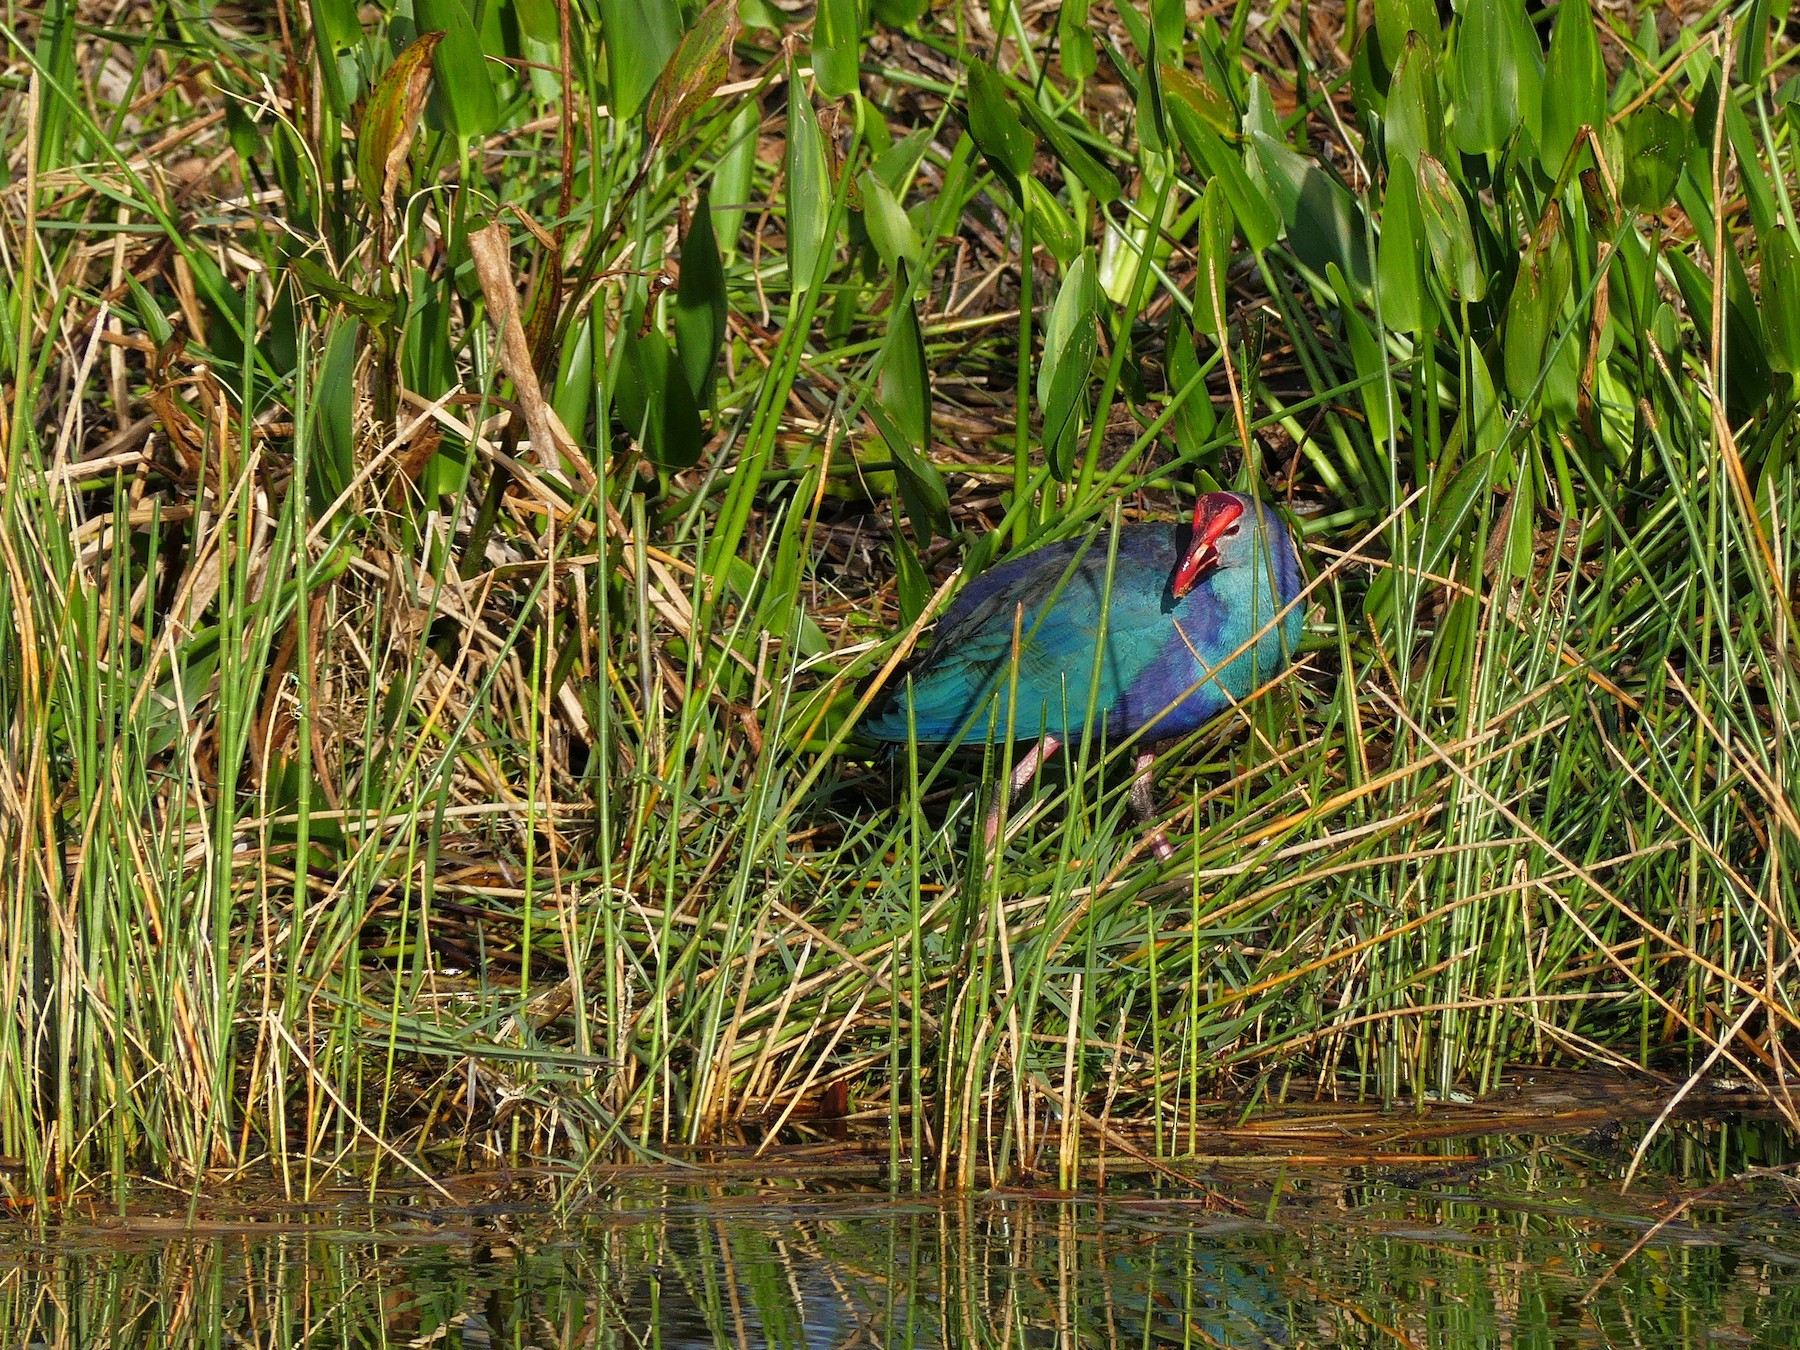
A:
x: 1199, y: 615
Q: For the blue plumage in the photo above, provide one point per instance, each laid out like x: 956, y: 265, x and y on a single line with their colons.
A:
x: 1166, y: 662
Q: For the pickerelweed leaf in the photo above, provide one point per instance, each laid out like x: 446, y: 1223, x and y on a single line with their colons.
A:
x: 337, y: 26
x: 1488, y: 415
x: 808, y: 186
x: 1781, y: 299
x: 1453, y: 509
x: 654, y: 403
x: 697, y: 66
x: 1168, y: 25
x: 1070, y: 340
x: 1212, y: 258
x: 890, y: 229
x: 994, y: 122
x: 1255, y: 213
x: 1415, y: 105
x: 1753, y: 177
x: 641, y: 36
x: 1747, y: 379
x: 462, y: 97
x: 699, y: 315
x: 1075, y: 51
x: 333, y: 462
x: 902, y: 414
x: 573, y: 393
x: 734, y: 174
x: 389, y: 119
x: 1324, y: 223
x: 1367, y: 357
x: 1535, y: 304
x: 1394, y: 19
x: 1656, y: 145
x: 1400, y: 265
x: 540, y: 42
x: 1448, y: 234
x: 837, y: 46
x: 1196, y: 418
x: 1203, y: 100
x: 1075, y: 160
x: 1050, y: 224
x: 321, y: 282
x: 1574, y: 93
x: 900, y: 13
x: 1488, y: 76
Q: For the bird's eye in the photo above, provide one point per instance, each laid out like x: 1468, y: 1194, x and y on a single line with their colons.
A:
x: 1232, y: 531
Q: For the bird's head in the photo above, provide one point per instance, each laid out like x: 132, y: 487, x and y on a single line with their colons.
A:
x: 1223, y: 522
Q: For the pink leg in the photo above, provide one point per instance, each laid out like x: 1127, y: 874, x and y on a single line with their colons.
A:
x: 1023, y: 772
x: 1143, y: 803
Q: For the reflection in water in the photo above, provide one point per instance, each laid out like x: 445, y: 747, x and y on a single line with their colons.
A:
x: 1505, y: 1256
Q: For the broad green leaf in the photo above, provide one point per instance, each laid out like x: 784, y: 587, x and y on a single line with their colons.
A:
x: 699, y: 316
x: 337, y: 29
x: 1747, y: 380
x: 1574, y: 93
x: 734, y: 174
x: 1447, y: 232
x: 894, y: 165
x: 902, y: 413
x: 1202, y: 99
x: 1451, y: 511
x: 1489, y: 416
x: 1075, y: 44
x: 994, y: 123
x: 1368, y: 86
x: 1052, y: 225
x: 1212, y: 258
x: 1394, y: 19
x: 1656, y: 144
x: 808, y: 186
x: 1324, y: 223
x: 334, y: 404
x: 1535, y: 304
x: 1415, y: 124
x: 1070, y: 340
x: 1401, y: 263
x: 1753, y: 45
x: 462, y: 91
x: 890, y: 229
x: 1196, y: 418
x: 900, y: 13
x: 1368, y: 358
x: 1521, y: 537
x: 1093, y: 175
x: 696, y: 68
x: 837, y: 47
x: 427, y: 358
x: 655, y: 404
x: 320, y: 280
x: 1260, y: 117
x: 641, y: 36
x: 1168, y: 24
x: 540, y: 41
x: 1492, y: 82
x: 573, y: 392
x: 1253, y: 210
x: 1753, y: 177
x: 389, y: 119
x: 1781, y: 300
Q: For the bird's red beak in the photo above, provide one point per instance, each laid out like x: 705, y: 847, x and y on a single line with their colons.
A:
x: 1213, y: 514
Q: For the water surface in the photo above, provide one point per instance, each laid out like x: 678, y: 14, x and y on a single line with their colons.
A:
x: 1503, y: 1241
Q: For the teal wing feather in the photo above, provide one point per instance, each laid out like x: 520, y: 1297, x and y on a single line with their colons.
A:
x: 1053, y: 599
